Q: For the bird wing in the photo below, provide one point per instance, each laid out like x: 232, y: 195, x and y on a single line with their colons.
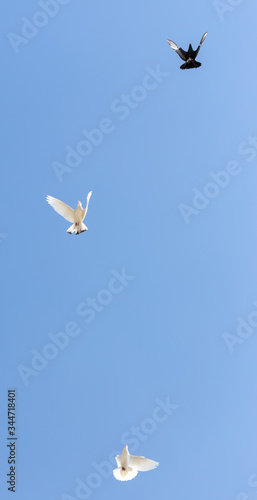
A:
x: 178, y: 49
x: 61, y: 208
x: 130, y: 474
x: 118, y: 460
x: 203, y: 38
x: 88, y: 198
x: 200, y: 44
x: 141, y: 463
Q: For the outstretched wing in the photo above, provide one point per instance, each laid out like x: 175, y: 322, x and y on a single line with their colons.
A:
x: 200, y: 44
x: 118, y: 460
x: 203, y: 38
x: 88, y: 198
x: 141, y: 463
x: 178, y: 49
x: 61, y: 208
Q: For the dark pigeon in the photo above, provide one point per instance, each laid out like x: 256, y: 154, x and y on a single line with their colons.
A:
x: 188, y: 56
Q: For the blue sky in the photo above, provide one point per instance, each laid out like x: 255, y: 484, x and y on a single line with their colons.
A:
x: 152, y: 310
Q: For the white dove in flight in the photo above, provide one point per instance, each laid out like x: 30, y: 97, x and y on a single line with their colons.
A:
x: 75, y: 216
x: 129, y: 465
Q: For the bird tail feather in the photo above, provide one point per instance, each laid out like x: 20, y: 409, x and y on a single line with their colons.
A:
x: 191, y: 64
x: 80, y: 228
x: 126, y: 475
x: 71, y: 229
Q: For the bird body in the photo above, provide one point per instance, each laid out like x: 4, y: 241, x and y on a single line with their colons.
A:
x: 189, y: 56
x: 129, y: 465
x: 75, y: 216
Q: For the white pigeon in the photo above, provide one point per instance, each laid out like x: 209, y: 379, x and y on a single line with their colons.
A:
x: 129, y: 465
x: 75, y: 216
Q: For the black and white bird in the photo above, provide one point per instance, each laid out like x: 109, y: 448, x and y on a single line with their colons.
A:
x: 129, y: 465
x: 75, y: 216
x: 188, y: 56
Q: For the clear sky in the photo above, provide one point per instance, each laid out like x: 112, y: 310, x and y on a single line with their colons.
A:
x: 143, y: 330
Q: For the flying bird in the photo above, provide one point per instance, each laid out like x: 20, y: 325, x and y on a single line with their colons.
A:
x: 75, y: 216
x: 188, y: 56
x: 129, y: 465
